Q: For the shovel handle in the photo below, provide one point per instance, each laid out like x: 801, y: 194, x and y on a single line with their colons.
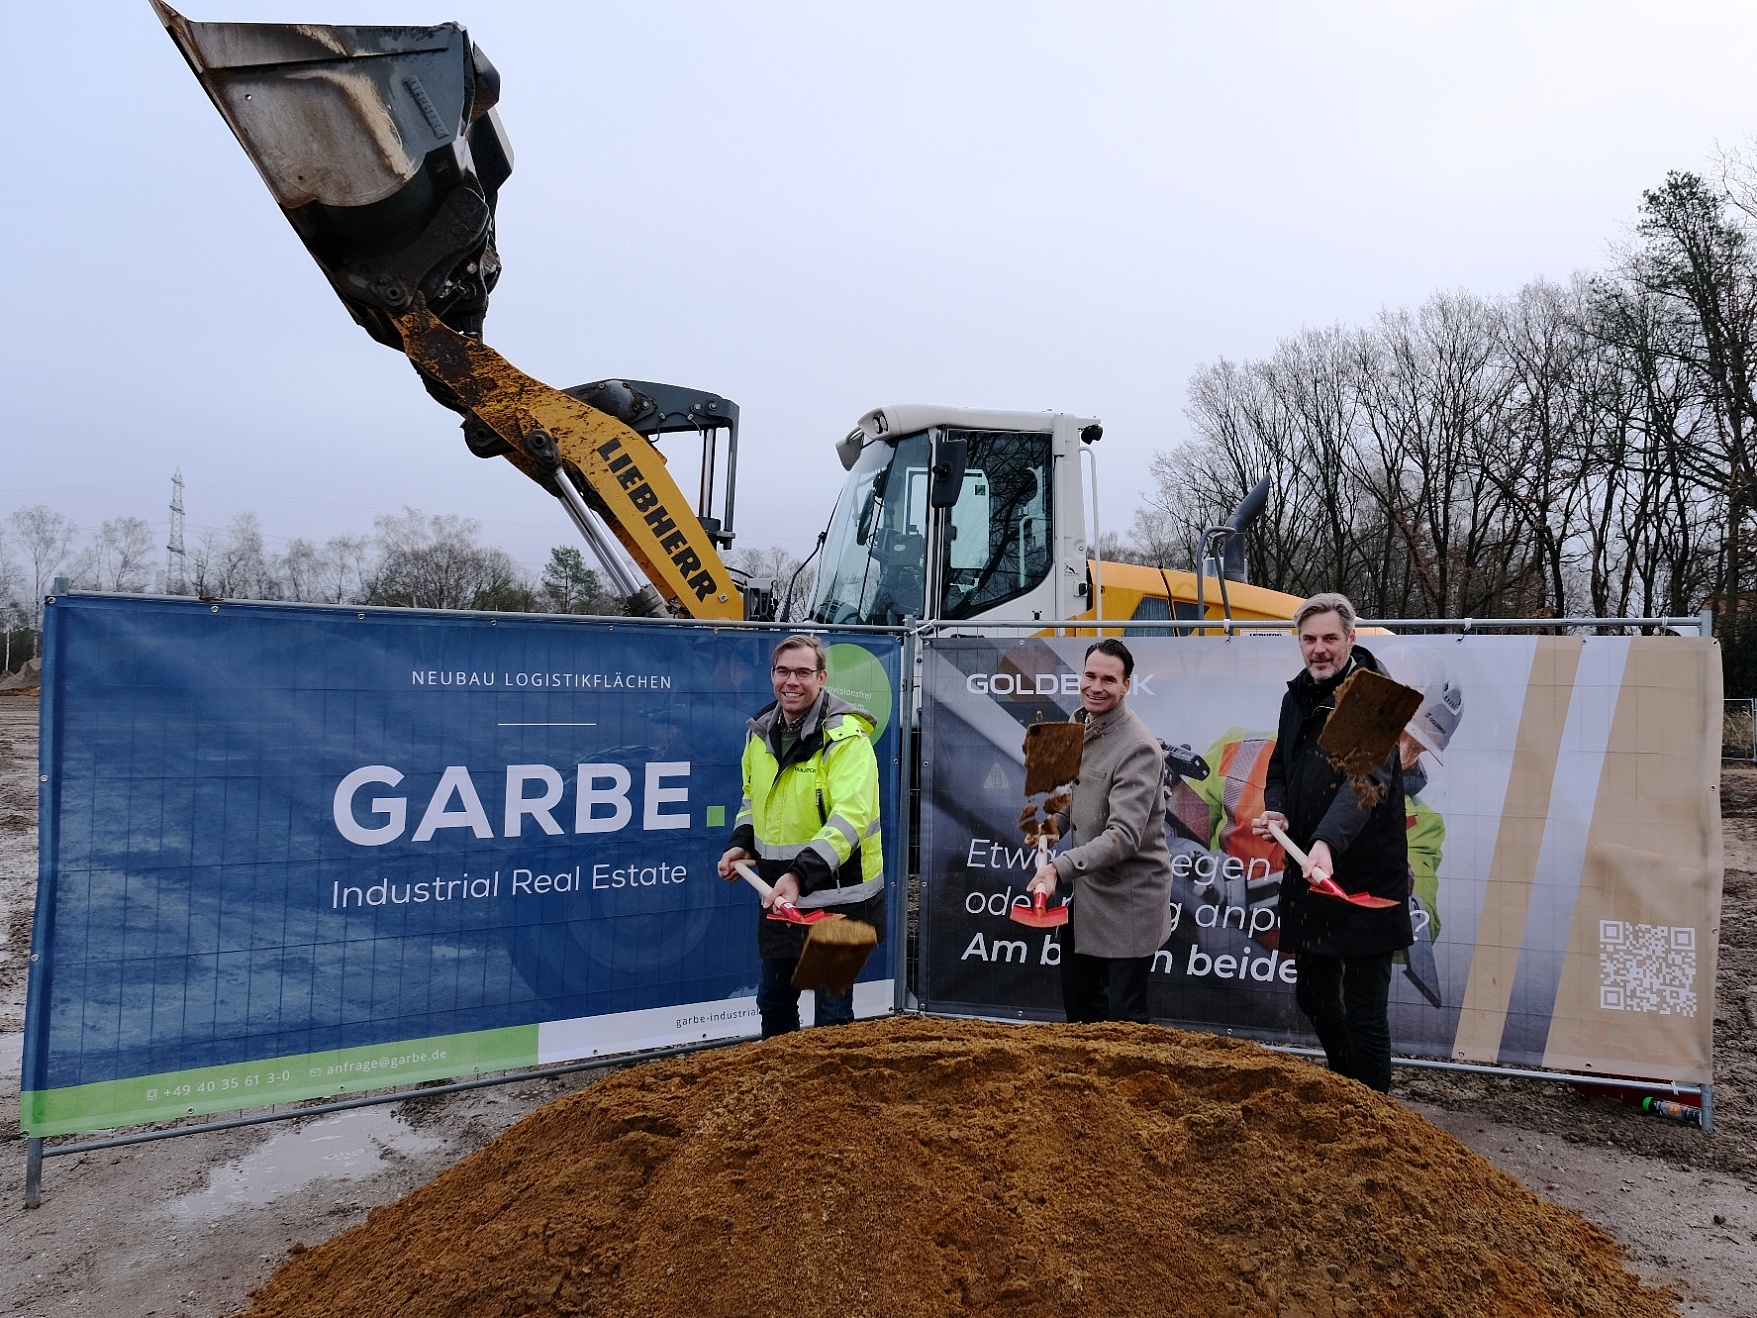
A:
x: 782, y: 910
x: 749, y: 876
x: 1326, y: 885
x: 1276, y: 832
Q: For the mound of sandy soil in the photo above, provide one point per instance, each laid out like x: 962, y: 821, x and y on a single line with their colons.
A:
x: 27, y: 681
x: 913, y: 1166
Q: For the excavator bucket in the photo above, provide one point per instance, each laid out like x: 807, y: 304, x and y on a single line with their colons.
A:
x: 382, y: 147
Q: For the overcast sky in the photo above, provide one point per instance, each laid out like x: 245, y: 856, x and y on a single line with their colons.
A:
x: 814, y: 210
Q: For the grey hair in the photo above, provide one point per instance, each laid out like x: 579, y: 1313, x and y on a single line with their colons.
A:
x: 1329, y: 603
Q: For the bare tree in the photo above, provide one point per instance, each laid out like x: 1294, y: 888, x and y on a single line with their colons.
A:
x: 1696, y: 260
x: 343, y: 568
x: 439, y: 562
x: 1115, y: 547
x: 11, y: 577
x: 301, y: 570
x: 46, y: 539
x: 793, y: 578
x: 233, y: 564
x: 1398, y: 457
x: 120, y: 556
x: 328, y: 574
x: 12, y: 611
x: 1154, y: 537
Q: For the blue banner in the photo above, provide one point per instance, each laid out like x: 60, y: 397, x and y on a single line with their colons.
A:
x: 289, y: 851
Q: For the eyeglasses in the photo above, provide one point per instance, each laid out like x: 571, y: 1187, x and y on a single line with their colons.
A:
x: 797, y: 674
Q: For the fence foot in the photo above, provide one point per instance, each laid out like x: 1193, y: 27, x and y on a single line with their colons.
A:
x: 33, y: 1173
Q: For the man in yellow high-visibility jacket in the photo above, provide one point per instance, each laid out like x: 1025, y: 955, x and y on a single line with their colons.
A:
x: 809, y: 822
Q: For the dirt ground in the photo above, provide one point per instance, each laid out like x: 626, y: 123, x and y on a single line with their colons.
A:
x: 192, y: 1225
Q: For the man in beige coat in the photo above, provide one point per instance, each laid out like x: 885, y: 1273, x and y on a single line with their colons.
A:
x: 1116, y: 860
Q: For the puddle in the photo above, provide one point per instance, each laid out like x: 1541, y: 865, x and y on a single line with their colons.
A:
x: 346, y: 1147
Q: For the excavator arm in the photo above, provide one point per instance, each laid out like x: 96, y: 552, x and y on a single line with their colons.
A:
x: 571, y: 449
x: 383, y: 149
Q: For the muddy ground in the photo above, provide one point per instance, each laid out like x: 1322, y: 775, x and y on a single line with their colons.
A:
x: 192, y: 1225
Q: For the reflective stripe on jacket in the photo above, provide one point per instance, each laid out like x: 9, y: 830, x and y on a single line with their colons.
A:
x: 815, y: 810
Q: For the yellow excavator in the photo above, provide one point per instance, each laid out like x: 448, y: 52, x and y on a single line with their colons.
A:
x: 383, y: 148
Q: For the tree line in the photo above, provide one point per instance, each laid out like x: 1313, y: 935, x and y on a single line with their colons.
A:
x: 412, y: 560
x: 1582, y: 448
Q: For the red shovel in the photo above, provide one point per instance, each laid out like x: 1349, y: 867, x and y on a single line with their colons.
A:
x: 786, y: 912
x: 1039, y: 915
x: 1326, y: 885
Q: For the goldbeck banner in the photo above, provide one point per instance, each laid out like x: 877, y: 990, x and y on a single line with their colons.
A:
x: 1563, y: 824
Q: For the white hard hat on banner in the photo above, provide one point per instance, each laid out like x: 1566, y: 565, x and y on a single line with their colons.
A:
x: 1442, y: 704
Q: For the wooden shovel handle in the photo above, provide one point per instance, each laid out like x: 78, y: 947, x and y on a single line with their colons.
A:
x: 749, y: 876
x: 786, y: 911
x: 1275, y: 831
x: 1327, y: 885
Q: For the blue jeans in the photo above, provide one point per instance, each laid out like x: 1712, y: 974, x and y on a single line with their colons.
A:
x: 778, y: 1000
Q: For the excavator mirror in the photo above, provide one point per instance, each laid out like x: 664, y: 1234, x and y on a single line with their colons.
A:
x: 759, y: 599
x: 951, y: 457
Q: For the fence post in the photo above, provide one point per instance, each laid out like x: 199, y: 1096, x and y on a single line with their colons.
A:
x: 906, y: 781
x: 33, y: 1172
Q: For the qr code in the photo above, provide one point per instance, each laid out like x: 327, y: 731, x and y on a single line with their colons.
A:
x: 1646, y: 967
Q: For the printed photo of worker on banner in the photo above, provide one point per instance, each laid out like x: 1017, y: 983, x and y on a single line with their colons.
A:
x: 1513, y: 846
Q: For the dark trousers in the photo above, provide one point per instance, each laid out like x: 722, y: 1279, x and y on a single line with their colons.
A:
x: 778, y: 1000
x: 1345, y: 999
x: 1103, y: 988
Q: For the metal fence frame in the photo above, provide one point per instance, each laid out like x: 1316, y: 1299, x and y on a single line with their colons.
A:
x: 913, y: 633
x: 1741, y: 713
x: 1701, y: 624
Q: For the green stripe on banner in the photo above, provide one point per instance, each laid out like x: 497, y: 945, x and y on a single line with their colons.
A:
x: 239, y: 1085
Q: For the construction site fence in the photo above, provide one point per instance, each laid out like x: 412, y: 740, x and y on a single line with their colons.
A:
x: 213, y: 770
x: 1738, y: 736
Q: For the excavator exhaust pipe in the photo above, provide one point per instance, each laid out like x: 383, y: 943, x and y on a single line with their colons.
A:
x: 381, y: 146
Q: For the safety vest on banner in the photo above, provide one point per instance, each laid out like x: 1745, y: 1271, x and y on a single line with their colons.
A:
x: 1244, y: 768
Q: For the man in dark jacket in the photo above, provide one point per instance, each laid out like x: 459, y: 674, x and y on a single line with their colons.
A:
x: 1343, y: 951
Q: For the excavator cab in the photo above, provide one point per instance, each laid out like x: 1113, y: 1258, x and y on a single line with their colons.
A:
x: 955, y: 514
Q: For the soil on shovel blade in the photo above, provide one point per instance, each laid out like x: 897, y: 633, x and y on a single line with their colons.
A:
x: 913, y: 1166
